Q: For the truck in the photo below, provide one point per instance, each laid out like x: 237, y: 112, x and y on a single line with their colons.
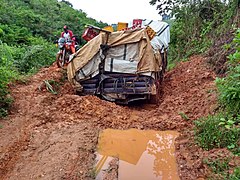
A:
x: 122, y: 66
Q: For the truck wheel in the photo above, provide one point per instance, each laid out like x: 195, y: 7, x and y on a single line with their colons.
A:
x: 155, y: 99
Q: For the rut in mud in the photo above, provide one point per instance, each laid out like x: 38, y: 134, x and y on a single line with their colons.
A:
x: 49, y: 136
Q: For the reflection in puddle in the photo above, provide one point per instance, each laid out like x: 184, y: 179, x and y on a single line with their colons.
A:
x: 141, y: 154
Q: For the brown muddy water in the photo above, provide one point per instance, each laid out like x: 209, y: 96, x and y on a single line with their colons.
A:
x: 141, y: 154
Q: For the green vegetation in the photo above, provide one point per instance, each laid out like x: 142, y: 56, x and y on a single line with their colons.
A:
x: 184, y: 116
x: 235, y: 175
x: 223, y: 129
x: 229, y: 90
x: 220, y: 167
x: 199, y: 25
x: 50, y: 85
x: 218, y: 131
x: 28, y: 29
x: 196, y: 24
x: 7, y: 73
x: 229, y: 87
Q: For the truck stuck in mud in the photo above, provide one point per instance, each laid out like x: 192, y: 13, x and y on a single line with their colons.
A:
x: 122, y: 66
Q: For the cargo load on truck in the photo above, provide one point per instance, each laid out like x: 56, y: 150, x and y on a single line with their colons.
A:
x: 122, y: 66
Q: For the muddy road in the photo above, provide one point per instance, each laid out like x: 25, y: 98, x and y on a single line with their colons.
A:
x: 49, y: 136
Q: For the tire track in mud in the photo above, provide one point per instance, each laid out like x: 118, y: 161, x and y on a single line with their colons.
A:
x: 12, y: 154
x: 56, y: 136
x: 17, y: 127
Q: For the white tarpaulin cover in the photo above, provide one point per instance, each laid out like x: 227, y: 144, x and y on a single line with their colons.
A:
x: 162, y: 37
x: 131, y: 52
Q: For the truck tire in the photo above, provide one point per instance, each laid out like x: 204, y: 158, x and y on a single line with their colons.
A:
x: 155, y: 99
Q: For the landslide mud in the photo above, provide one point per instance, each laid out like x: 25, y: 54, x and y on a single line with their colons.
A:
x: 49, y: 136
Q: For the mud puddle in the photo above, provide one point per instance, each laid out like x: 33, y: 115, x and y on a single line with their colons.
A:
x: 140, y: 155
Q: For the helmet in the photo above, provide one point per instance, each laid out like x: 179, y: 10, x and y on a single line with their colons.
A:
x: 65, y: 27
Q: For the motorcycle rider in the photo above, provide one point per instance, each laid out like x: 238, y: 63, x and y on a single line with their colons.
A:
x: 67, y: 34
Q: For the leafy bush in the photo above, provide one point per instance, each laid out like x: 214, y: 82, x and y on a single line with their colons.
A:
x: 218, y: 131
x: 14, y: 35
x: 219, y: 166
x: 7, y: 73
x: 196, y: 25
x: 39, y: 54
x: 234, y: 59
x: 229, y: 87
x: 236, y: 174
x: 223, y: 129
x: 229, y: 90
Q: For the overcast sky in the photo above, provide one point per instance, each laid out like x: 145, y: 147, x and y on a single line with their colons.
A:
x: 114, y: 11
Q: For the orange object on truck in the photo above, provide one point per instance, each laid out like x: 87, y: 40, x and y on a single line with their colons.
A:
x: 90, y: 33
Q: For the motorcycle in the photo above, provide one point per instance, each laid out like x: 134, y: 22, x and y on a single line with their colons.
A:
x: 63, y: 56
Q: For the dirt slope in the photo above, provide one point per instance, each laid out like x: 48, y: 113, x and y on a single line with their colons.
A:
x: 51, y: 136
